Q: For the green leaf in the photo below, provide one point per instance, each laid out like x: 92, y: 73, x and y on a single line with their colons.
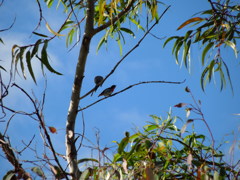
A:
x: 203, y: 77
x: 44, y: 59
x: 197, y: 36
x: 49, y: 3
x: 137, y: 23
x: 210, y: 70
x: 228, y: 74
x: 205, y: 50
x: 29, y: 65
x: 39, y: 34
x: 169, y: 39
x: 177, y: 49
x: 186, y: 52
x: 66, y: 25
x: 70, y: 35
x: 87, y: 159
x: 120, y: 46
x: 35, y: 48
x: 9, y: 175
x: 122, y: 145
x: 187, y: 34
x: 38, y: 171
x: 85, y: 174
x: 150, y: 127
x: 233, y: 46
x: 127, y: 31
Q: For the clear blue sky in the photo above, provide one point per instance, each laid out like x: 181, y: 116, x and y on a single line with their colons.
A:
x: 126, y: 111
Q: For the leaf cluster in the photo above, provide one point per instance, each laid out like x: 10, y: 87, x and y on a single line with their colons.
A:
x: 214, y: 28
x: 161, y: 152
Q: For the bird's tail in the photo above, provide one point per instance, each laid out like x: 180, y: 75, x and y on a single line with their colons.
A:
x: 95, y: 89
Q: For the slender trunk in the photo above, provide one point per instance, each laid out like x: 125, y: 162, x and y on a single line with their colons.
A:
x: 71, y: 151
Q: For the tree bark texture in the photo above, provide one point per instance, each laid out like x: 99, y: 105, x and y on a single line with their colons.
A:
x: 71, y: 151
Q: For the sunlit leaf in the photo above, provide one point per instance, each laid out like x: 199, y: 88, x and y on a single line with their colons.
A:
x: 52, y: 31
x: 38, y: 171
x: 70, y: 35
x: 205, y: 50
x: 190, y: 21
x: 177, y: 50
x: 120, y: 46
x: 186, y: 52
x: 10, y: 175
x: 101, y: 5
x: 85, y: 174
x: 233, y: 46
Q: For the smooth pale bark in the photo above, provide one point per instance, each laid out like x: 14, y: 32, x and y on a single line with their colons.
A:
x: 71, y: 151
x: 89, y: 32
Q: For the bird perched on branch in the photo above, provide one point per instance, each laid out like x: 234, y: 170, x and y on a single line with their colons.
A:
x: 97, y: 80
x: 107, y: 92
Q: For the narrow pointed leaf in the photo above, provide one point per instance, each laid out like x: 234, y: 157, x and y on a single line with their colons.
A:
x: 52, y: 31
x: 35, y: 48
x: 206, y: 49
x: 203, y: 77
x: 128, y: 31
x: 44, y: 59
x: 189, y: 21
x: 233, y: 46
x: 29, y: 65
x: 169, y: 39
x: 39, y: 34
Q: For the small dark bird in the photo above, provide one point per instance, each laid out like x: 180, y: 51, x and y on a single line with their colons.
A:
x: 107, y: 92
x: 97, y: 80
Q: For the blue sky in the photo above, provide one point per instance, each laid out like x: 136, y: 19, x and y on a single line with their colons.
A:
x: 126, y: 111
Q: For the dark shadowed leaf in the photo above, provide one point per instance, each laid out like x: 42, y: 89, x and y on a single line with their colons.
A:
x: 29, y: 65
x: 179, y: 105
x: 86, y: 160
x: 44, y: 59
x: 39, y: 34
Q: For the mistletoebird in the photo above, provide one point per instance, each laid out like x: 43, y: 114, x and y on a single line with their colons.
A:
x: 97, y: 80
x: 107, y: 92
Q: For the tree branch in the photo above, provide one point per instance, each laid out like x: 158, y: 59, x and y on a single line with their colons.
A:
x: 144, y: 82
x: 6, y: 147
x: 71, y: 152
x: 129, y: 52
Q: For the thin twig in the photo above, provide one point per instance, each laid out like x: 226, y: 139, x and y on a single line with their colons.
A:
x: 128, y: 53
x: 144, y: 82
